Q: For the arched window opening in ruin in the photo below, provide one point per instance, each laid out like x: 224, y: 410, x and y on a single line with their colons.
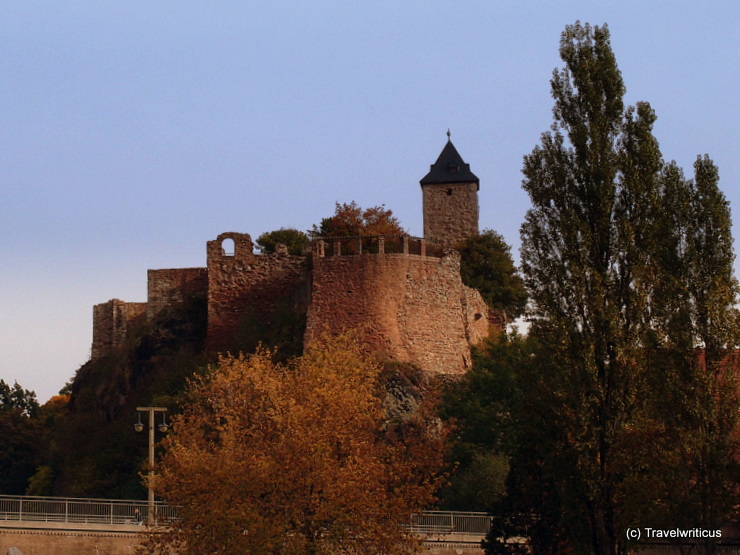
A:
x: 449, y: 192
x: 228, y: 247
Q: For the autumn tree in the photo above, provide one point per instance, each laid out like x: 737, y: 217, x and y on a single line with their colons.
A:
x: 294, y: 458
x: 600, y: 276
x: 350, y: 220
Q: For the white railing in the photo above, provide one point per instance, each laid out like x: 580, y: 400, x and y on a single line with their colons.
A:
x: 82, y: 511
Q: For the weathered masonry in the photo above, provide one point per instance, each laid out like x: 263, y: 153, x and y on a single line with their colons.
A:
x: 403, y: 294
x: 245, y: 286
x: 410, y: 305
x: 450, y: 197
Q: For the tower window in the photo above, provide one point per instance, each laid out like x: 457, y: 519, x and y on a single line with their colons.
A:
x: 449, y: 192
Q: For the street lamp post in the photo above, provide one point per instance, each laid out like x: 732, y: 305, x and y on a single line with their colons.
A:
x: 163, y: 427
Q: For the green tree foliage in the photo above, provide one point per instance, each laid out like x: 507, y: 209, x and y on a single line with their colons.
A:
x: 351, y: 220
x: 694, y: 417
x: 295, y: 458
x: 42, y: 482
x: 50, y: 414
x: 18, y: 399
x: 613, y: 253
x: 593, y: 184
x: 20, y: 435
x: 486, y: 265
x: 482, y: 410
x: 296, y: 241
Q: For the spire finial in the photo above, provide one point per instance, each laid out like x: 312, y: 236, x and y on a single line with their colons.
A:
x: 449, y: 135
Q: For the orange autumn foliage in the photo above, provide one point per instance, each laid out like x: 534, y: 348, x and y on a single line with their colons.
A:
x: 350, y: 220
x: 295, y: 459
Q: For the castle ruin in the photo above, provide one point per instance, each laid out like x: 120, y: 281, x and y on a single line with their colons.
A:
x: 403, y: 294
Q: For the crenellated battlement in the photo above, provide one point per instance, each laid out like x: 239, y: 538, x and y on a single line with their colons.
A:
x: 376, y: 244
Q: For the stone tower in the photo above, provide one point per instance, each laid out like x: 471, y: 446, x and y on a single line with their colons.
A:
x: 450, y: 198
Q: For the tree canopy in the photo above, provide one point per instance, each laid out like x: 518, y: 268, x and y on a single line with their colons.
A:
x: 20, y: 434
x: 18, y: 399
x: 295, y: 458
x: 296, y: 241
x: 350, y: 220
x: 483, y: 408
x: 486, y: 265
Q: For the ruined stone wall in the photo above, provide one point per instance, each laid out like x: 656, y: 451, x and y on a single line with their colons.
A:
x: 406, y: 296
x: 112, y: 322
x: 450, y: 212
x: 410, y: 308
x: 243, y: 285
x: 167, y: 288
x: 479, y: 319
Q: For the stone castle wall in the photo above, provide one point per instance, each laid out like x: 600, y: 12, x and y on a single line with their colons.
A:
x: 405, y: 295
x: 409, y: 307
x: 450, y: 211
x: 167, y: 288
x: 243, y: 286
x: 112, y: 322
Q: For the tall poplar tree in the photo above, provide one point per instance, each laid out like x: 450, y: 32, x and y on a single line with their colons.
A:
x: 696, y: 362
x: 629, y: 268
x: 593, y: 183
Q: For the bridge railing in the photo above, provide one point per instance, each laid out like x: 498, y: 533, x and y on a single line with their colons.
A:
x: 82, y: 511
x: 120, y: 511
x: 449, y: 522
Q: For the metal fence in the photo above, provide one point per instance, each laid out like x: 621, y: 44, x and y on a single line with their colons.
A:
x: 119, y: 511
x: 447, y: 522
x: 83, y: 511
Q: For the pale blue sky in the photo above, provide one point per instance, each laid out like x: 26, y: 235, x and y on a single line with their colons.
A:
x: 132, y: 132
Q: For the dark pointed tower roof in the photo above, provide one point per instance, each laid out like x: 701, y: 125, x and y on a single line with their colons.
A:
x: 450, y: 168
